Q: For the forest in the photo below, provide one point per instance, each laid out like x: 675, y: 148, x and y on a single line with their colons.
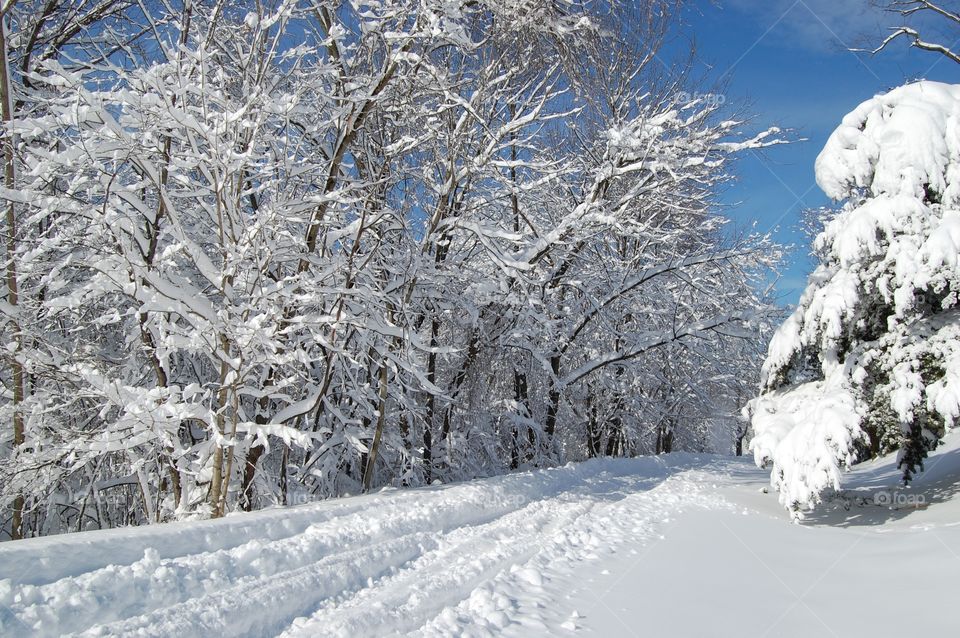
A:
x: 261, y: 253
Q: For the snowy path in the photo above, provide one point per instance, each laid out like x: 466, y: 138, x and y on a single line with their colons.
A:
x: 601, y: 548
x: 437, y: 561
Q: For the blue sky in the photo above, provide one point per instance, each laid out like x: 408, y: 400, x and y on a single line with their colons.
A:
x: 789, y: 62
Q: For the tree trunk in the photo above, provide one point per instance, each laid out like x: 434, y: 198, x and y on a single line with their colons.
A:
x: 218, y: 479
x: 594, y: 432
x: 741, y: 434
x: 553, y: 407
x: 431, y: 404
x: 10, y: 182
x: 615, y: 438
x: 664, y: 439
x: 284, y: 460
x: 381, y: 420
x: 473, y: 350
x: 249, y: 473
x: 522, y: 400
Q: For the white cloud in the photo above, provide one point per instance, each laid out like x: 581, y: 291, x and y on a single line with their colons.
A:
x: 817, y: 24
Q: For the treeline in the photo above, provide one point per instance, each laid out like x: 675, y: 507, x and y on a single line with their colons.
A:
x: 262, y: 251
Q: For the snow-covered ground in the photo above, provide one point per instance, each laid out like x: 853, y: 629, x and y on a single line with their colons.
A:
x: 679, y: 545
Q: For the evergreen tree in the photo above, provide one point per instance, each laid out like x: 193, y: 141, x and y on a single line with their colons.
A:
x: 869, y: 362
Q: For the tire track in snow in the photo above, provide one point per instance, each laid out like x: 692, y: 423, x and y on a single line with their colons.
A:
x: 346, y: 575
x: 526, y: 599
x: 257, y: 574
x: 40, y: 561
x: 74, y: 604
x: 462, y: 560
x: 229, y: 612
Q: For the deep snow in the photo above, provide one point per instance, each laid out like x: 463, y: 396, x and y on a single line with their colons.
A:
x: 679, y: 545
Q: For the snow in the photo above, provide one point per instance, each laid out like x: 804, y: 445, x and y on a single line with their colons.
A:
x: 802, y: 431
x: 895, y: 144
x: 677, y: 545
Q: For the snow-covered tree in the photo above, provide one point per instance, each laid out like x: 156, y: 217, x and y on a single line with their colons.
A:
x: 308, y: 247
x: 869, y: 362
x: 924, y: 25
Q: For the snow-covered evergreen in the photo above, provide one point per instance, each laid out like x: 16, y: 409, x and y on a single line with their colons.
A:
x: 869, y: 362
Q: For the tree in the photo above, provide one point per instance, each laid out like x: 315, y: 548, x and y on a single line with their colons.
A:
x: 306, y: 248
x: 869, y: 362
x: 920, y: 16
x: 10, y: 182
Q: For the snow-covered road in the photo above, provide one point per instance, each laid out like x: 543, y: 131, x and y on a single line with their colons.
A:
x: 436, y: 561
x: 608, y: 547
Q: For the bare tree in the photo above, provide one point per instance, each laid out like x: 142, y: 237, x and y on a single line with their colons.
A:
x: 943, y: 16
